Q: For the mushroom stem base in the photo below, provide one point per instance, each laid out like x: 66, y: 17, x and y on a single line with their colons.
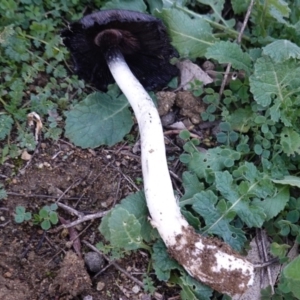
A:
x: 208, y: 260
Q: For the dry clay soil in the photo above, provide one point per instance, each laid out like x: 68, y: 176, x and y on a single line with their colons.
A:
x: 37, y: 264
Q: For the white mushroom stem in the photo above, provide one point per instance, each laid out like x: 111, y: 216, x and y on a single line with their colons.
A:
x: 207, y: 259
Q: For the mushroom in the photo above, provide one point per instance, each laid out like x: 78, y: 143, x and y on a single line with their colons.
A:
x: 126, y: 45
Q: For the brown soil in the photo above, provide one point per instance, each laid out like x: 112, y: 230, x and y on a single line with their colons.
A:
x: 43, y: 265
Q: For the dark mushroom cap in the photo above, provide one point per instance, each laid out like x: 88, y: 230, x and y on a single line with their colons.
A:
x: 141, y: 38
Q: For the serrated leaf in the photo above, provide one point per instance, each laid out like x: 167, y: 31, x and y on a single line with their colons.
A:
x: 205, y: 204
x: 281, y: 50
x: 125, y: 230
x: 3, y: 193
x: 274, y: 81
x: 205, y: 163
x: 228, y: 52
x: 250, y: 213
x: 272, y: 206
x: 6, y: 123
x: 162, y: 262
x: 191, y: 185
x: 217, y: 8
x: 98, y: 120
x: 192, y: 39
x: 290, y: 141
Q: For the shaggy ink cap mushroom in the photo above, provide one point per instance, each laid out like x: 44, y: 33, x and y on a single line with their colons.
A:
x: 142, y: 40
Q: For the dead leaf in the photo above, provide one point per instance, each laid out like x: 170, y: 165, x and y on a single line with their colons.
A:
x: 34, y: 119
x: 26, y: 156
x: 189, y: 72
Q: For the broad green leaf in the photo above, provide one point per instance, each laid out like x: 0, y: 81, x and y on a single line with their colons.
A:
x: 191, y: 185
x: 125, y: 230
x: 205, y: 163
x: 217, y: 222
x: 241, y: 119
x: 136, y: 5
x: 274, y: 82
x: 292, y: 273
x: 290, y: 141
x: 217, y: 8
x: 279, y: 9
x: 272, y: 206
x: 136, y: 205
x: 249, y: 212
x: 289, y: 180
x: 198, y: 289
x: 240, y: 6
x: 162, y: 262
x: 98, y: 120
x: 229, y: 52
x: 281, y: 50
x: 192, y: 39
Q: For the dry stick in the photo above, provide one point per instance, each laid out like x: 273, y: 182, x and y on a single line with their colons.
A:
x: 265, y: 256
x: 42, y: 196
x: 86, y: 218
x: 239, y: 39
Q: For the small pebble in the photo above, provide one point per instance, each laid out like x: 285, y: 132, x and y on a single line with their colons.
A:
x: 100, y: 286
x: 136, y: 289
x: 93, y: 261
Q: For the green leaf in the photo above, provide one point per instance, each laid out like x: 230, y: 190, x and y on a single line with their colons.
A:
x: 198, y: 289
x: 53, y: 217
x: 136, y: 5
x: 288, y: 180
x: 191, y: 185
x: 292, y: 273
x: 98, y: 120
x: 192, y: 39
x: 290, y: 141
x: 43, y: 213
x: 46, y: 225
x: 250, y: 213
x: 162, y: 262
x: 217, y: 8
x: 274, y: 81
x: 281, y: 50
x: 228, y: 52
x: 205, y: 163
x: 272, y: 206
x: 6, y: 123
x: 125, y: 230
x: 217, y: 222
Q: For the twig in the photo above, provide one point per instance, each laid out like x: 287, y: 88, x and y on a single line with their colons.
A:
x: 83, y: 219
x: 239, y: 39
x: 71, y: 210
x: 42, y: 196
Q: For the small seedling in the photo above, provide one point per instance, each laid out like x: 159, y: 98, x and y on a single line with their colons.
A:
x: 46, y: 217
x: 21, y: 215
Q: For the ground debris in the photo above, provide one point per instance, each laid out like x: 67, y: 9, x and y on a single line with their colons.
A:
x: 72, y: 278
